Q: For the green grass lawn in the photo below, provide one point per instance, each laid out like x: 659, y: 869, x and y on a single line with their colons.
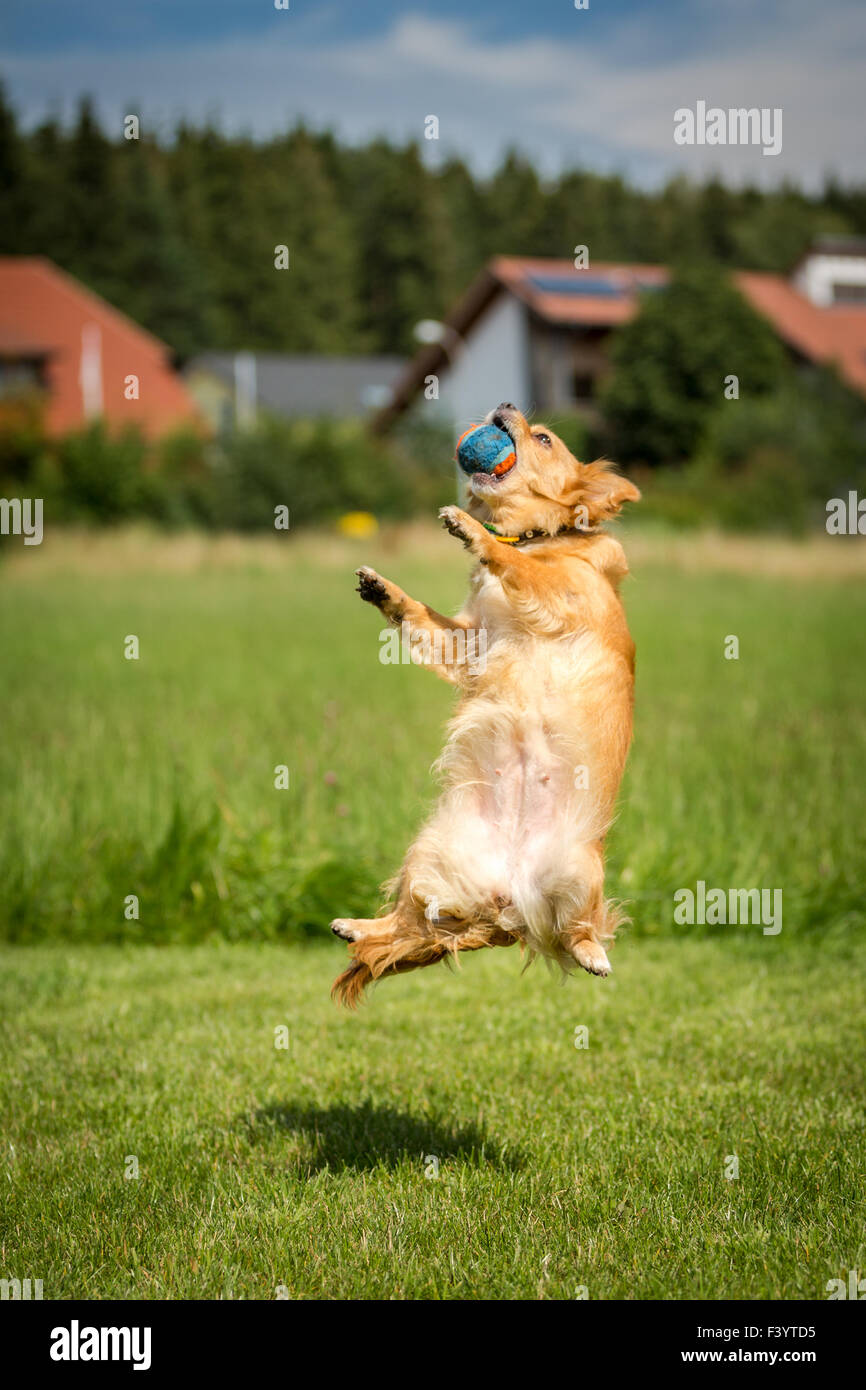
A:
x: 559, y: 1168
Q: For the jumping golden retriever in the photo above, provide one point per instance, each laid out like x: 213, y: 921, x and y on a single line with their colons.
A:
x: 514, y: 851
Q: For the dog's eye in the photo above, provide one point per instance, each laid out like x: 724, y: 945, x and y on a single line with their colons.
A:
x: 542, y: 439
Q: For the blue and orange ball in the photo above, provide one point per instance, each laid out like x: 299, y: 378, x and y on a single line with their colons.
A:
x: 485, y: 449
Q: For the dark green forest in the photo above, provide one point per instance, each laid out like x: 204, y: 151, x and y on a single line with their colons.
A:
x: 180, y: 233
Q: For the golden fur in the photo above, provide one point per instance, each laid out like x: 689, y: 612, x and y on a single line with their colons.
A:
x: 513, y: 851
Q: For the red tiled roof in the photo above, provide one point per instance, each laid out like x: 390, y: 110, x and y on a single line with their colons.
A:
x: 536, y: 282
x: 44, y: 310
x: 836, y: 334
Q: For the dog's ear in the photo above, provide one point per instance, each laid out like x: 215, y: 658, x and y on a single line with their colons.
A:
x: 603, y: 492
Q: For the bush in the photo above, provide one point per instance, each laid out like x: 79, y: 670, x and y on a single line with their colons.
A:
x: 102, y: 476
x: 815, y: 419
x: 767, y: 493
x: 670, y: 363
x: 319, y: 469
x: 21, y: 436
x: 769, y: 463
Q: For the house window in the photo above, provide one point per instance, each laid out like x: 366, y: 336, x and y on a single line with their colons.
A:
x: 583, y: 386
x: 18, y: 377
x: 849, y: 294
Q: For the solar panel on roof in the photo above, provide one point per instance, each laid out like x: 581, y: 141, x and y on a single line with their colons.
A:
x: 583, y: 284
x: 595, y: 286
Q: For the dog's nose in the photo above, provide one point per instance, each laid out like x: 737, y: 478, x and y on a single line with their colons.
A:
x: 504, y: 411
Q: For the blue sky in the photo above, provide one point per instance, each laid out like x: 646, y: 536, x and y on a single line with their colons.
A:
x: 596, y: 86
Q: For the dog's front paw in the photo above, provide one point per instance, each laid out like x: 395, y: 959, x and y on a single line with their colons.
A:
x: 461, y: 525
x: 371, y: 586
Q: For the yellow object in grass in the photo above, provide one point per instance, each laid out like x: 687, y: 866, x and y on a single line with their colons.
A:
x: 359, y: 525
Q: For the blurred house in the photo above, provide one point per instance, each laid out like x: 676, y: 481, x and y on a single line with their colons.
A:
x: 231, y: 387
x: 537, y: 332
x: 76, y: 358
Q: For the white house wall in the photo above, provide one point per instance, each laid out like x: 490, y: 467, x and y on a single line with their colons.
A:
x: 491, y: 366
x: 819, y: 273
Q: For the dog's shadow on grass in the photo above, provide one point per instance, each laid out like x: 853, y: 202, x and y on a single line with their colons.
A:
x: 367, y: 1136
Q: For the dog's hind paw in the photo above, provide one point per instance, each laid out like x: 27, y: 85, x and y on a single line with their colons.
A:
x: 592, y: 957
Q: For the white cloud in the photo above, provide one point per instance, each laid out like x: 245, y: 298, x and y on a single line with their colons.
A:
x: 563, y: 102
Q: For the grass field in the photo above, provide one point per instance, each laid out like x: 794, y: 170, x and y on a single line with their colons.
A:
x: 559, y: 1168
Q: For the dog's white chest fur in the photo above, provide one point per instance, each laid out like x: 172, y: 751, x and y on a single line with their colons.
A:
x: 490, y: 605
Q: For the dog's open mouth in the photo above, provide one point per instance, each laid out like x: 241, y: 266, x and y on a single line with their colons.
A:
x: 500, y: 472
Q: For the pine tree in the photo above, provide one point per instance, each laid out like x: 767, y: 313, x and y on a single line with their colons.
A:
x: 159, y: 278
x: 515, y: 208
x: 49, y: 215
x: 404, y: 244
x: 13, y: 183
x: 91, y: 234
x: 313, y: 306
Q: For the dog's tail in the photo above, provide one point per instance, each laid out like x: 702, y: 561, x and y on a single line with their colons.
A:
x: 349, y: 987
x: 375, y: 956
x: 373, y: 959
